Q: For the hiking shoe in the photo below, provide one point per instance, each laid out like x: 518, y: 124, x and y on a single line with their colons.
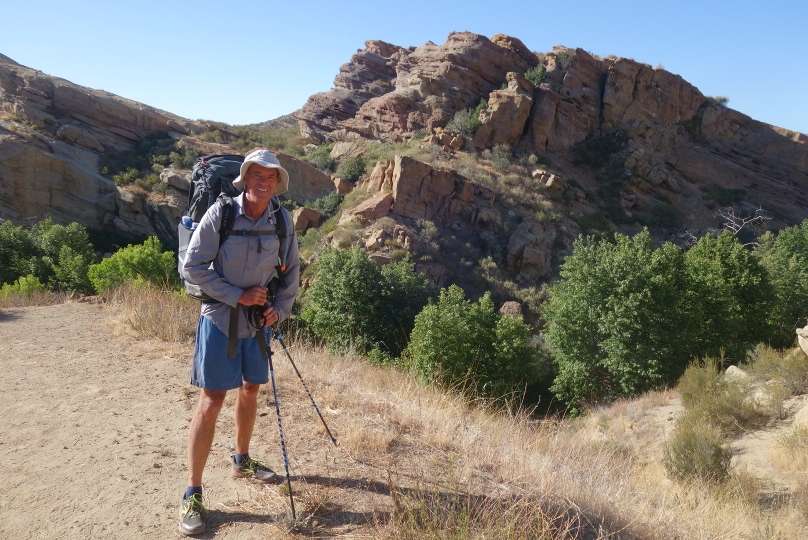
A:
x: 251, y: 468
x: 192, y: 515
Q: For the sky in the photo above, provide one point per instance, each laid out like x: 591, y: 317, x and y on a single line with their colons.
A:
x: 248, y: 61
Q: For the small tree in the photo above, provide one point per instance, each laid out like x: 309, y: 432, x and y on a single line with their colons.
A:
x: 618, y: 321
x: 732, y: 297
x: 354, y: 304
x: 351, y: 169
x: 459, y: 342
x: 785, y: 258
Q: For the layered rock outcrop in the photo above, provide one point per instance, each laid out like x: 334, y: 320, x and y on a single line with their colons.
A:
x: 430, y: 83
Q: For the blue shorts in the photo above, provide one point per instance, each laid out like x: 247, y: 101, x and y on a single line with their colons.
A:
x: 213, y: 370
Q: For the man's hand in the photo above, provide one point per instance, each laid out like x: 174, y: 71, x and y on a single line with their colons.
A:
x: 254, y: 296
x: 270, y: 316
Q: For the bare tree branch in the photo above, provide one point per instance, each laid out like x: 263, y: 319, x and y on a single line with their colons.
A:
x: 734, y: 223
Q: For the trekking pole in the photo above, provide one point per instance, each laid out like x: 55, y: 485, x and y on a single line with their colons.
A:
x: 267, y: 338
x: 279, y: 337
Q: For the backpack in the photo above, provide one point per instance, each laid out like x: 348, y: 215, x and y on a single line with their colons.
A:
x: 212, y: 183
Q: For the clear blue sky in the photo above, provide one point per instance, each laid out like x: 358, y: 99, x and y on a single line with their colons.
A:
x: 252, y: 61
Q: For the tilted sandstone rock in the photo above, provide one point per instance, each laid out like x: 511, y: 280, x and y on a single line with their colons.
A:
x: 373, y: 208
x: 306, y: 218
x: 530, y: 249
x: 423, y: 192
x: 370, y: 73
x: 306, y: 183
x: 508, y: 110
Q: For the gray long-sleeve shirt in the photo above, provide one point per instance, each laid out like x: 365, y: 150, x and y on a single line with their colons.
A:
x: 225, y: 272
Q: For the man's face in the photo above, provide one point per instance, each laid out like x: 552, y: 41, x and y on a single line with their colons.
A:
x: 260, y: 182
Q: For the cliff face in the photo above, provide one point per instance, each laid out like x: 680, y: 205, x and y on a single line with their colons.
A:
x: 680, y: 140
x: 51, y: 135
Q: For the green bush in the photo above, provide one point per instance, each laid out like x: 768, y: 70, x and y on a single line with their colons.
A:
x: 24, y: 286
x: 467, y: 121
x: 321, y: 157
x: 456, y: 342
x: 732, y: 297
x: 139, y: 263
x: 566, y: 57
x: 501, y: 157
x: 787, y: 367
x: 726, y: 402
x: 328, y: 204
x: 354, y: 304
x: 785, y: 258
x: 17, y: 249
x: 536, y: 74
x: 697, y: 451
x: 597, y: 153
x: 351, y: 169
x: 618, y: 321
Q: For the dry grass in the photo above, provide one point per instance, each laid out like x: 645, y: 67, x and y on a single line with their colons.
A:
x: 791, y: 452
x: 166, y: 315
x: 35, y: 298
x: 418, y: 462
x: 460, y: 470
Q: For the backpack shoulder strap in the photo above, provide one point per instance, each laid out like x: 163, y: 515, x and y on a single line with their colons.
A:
x: 228, y: 216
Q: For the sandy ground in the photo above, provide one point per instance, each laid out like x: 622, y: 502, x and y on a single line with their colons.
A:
x: 93, y: 433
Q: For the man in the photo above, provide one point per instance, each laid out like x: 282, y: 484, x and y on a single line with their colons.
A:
x: 236, y: 274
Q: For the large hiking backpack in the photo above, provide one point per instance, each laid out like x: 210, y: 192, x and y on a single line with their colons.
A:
x: 212, y: 183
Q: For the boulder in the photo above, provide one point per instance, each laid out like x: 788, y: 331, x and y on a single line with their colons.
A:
x: 174, y: 179
x: 530, y: 248
x: 436, y: 273
x: 508, y: 109
x: 306, y: 183
x: 381, y: 177
x: 555, y: 184
x: 341, y: 186
x: 373, y: 208
x: 802, y: 338
x: 306, y: 218
x: 511, y: 308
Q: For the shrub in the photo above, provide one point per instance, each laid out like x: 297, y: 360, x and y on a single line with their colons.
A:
x: 321, y: 157
x: 17, y: 248
x: 354, y: 304
x: 467, y: 121
x: 456, y: 342
x: 727, y: 402
x: 618, y: 319
x: 732, y: 297
x: 597, y: 153
x: 697, y: 451
x: 351, y: 169
x: 139, y: 263
x: 565, y: 58
x: 328, y: 204
x: 785, y: 258
x: 721, y: 195
x: 501, y: 157
x: 536, y: 74
x: 788, y: 367
x: 23, y: 286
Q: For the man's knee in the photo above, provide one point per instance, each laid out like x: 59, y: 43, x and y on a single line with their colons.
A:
x: 210, y: 402
x: 249, y: 390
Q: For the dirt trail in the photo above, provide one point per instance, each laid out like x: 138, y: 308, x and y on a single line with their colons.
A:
x: 93, y: 432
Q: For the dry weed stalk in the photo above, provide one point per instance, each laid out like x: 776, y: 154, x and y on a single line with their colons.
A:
x: 166, y: 315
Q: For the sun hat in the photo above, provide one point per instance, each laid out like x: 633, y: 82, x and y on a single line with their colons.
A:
x: 267, y: 159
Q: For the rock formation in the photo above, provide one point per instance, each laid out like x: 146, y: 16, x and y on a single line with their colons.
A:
x: 428, y: 84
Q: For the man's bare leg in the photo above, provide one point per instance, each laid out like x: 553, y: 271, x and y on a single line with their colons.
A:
x: 200, y: 434
x: 244, y: 415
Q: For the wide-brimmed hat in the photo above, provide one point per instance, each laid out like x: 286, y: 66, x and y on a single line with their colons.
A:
x: 267, y: 159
